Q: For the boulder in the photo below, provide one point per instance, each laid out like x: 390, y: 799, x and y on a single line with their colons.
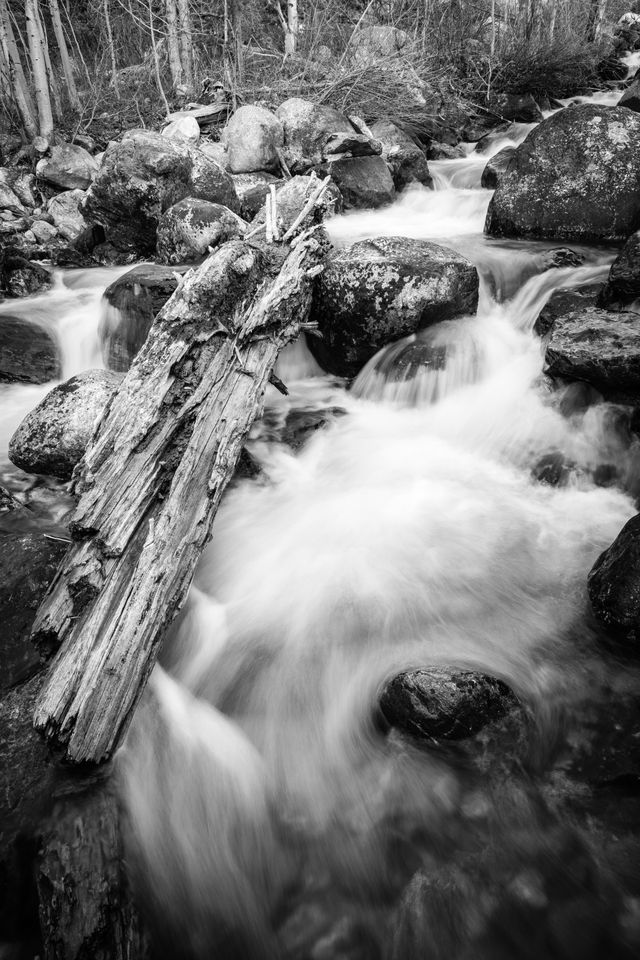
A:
x: 623, y: 284
x: 575, y: 177
x: 183, y: 128
x: 9, y: 200
x: 29, y: 351
x: 631, y: 97
x: 252, y: 189
x: 352, y: 145
x: 291, y: 197
x: 20, y: 277
x: 614, y: 583
x: 594, y: 345
x: 64, y: 210
x: 188, y: 228
x: 516, y: 107
x: 43, y: 231
x: 215, y: 151
x: 495, y: 167
x: 307, y: 127
x: 380, y: 290
x: 144, y: 175
x: 22, y: 184
x: 443, y: 703
x: 53, y: 437
x: 253, y: 137
x: 405, y: 159
x: 68, y: 167
x: 130, y: 305
x: 364, y: 182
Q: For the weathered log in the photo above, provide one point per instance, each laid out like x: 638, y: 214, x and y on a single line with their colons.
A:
x: 152, y: 479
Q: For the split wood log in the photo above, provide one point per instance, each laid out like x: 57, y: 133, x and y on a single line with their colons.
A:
x: 152, y: 478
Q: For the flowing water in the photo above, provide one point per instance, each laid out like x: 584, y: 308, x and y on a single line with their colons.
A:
x: 271, y: 814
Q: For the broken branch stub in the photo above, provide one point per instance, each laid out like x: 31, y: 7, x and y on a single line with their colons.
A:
x: 151, y: 481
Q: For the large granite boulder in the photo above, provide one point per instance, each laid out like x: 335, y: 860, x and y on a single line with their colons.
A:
x: 623, y: 284
x: 54, y: 436
x: 380, y: 290
x: 405, y: 159
x: 188, y: 228
x: 614, y: 583
x: 29, y: 351
x: 575, y: 177
x: 131, y: 304
x: 591, y: 344
x: 144, y: 175
x: 307, y: 127
x: 253, y: 137
x: 364, y: 182
x: 67, y: 167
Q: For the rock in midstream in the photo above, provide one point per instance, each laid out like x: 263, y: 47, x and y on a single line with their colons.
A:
x: 614, y: 583
x: 29, y: 350
x: 623, y: 284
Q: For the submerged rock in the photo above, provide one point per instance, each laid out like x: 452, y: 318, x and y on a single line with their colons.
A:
x: 575, y: 177
x: 53, y: 437
x: 144, y: 175
x: 380, y: 290
x: 614, y: 583
x: 444, y: 704
x: 132, y: 302
x: 29, y: 351
x: 188, y: 228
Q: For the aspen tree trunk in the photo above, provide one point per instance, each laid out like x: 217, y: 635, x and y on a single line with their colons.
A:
x: 552, y: 18
x: 293, y: 28
x: 54, y: 89
x: 17, y: 79
x: 112, y: 50
x: 67, y: 69
x: 186, y: 42
x: 596, y: 16
x: 38, y: 70
x: 175, y: 64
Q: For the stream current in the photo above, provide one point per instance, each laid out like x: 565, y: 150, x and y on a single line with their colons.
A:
x: 270, y: 815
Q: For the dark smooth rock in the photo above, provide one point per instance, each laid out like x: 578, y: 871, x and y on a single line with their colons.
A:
x: 495, y: 167
x: 575, y: 177
x: 553, y: 469
x: 29, y: 351
x: 516, y: 107
x: 405, y: 159
x: 132, y: 303
x: 364, y: 182
x: 20, y: 277
x: 52, y: 438
x: 614, y: 583
x: 378, y: 291
x: 444, y: 704
x: 631, y: 97
x: 188, y: 228
x: 623, y: 284
x: 144, y: 175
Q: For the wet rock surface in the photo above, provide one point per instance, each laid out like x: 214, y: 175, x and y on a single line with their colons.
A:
x: 495, y: 167
x: 614, y: 584
x: 575, y: 177
x: 53, y: 437
x: 380, y: 290
x: 29, y: 351
x: 444, y: 704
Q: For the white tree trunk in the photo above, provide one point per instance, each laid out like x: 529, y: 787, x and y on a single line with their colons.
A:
x: 52, y: 80
x: 38, y: 69
x: 173, y: 43
x: 17, y: 78
x: 293, y: 27
x: 112, y: 49
x: 67, y: 68
x: 186, y: 42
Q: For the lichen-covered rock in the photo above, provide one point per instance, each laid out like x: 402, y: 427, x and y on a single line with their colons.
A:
x: 443, y: 703
x: 575, y: 177
x: 252, y: 189
x: 64, y: 210
x: 495, y: 167
x: 364, y: 182
x: 188, y: 228
x: 130, y: 305
x: 68, y: 167
x: 591, y: 344
x: 253, y: 137
x: 144, y: 175
x: 291, y: 197
x: 405, y: 159
x: 516, y: 107
x: 380, y: 290
x: 53, y: 437
x: 307, y: 127
x: 623, y: 284
x: 614, y: 583
x: 29, y: 351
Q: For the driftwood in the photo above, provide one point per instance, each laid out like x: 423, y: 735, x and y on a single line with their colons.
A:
x: 152, y: 479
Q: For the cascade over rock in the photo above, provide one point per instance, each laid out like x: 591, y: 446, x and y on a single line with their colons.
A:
x: 575, y: 177
x: 380, y: 290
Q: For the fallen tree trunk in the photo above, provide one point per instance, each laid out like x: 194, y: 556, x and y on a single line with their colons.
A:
x: 151, y: 481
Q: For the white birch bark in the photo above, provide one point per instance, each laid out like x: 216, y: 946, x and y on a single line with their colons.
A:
x: 38, y: 70
x: 65, y: 59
